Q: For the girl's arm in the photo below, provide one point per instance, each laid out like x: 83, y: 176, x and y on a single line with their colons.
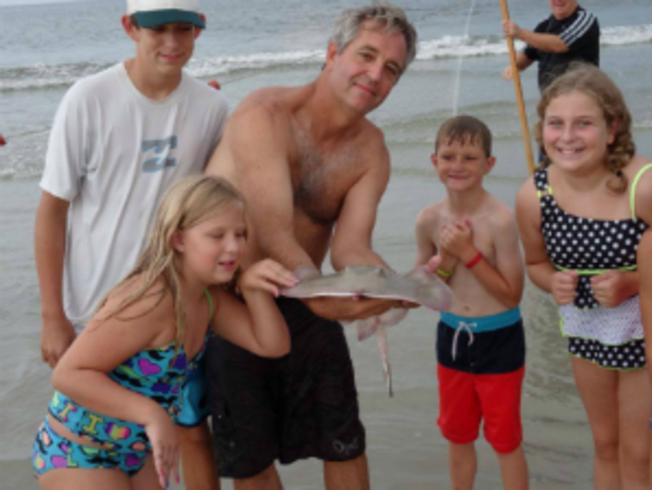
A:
x: 539, y: 268
x: 613, y: 287
x: 103, y: 345
x: 81, y: 374
x: 257, y: 325
x: 645, y: 275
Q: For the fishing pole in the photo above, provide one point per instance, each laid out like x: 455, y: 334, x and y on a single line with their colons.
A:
x: 516, y: 76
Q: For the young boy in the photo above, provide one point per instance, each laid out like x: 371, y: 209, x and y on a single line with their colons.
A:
x: 120, y: 138
x: 480, y: 342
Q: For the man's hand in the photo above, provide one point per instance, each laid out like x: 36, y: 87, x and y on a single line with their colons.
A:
x: 56, y: 337
x: 511, y: 29
x: 613, y: 287
x: 350, y: 309
x: 563, y: 287
x: 508, y: 75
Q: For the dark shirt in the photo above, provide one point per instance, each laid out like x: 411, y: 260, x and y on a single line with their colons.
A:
x: 581, y: 33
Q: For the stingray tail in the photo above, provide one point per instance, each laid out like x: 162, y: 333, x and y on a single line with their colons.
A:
x: 381, y: 338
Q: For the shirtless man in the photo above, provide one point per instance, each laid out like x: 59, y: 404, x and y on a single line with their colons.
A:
x: 312, y: 169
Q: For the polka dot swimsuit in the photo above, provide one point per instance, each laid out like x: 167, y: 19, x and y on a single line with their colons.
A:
x: 610, y: 337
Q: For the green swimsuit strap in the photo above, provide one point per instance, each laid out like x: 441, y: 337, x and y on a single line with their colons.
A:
x: 594, y: 272
x: 632, y: 194
x: 541, y: 193
x: 211, y: 308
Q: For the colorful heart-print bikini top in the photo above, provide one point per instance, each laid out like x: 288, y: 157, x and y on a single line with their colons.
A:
x: 589, y: 246
x: 159, y: 374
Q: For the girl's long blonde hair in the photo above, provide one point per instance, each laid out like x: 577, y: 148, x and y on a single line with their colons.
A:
x: 594, y: 83
x: 187, y: 203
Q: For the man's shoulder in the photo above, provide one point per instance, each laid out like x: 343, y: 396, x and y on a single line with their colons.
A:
x: 579, y: 19
x: 270, y: 103
x: 370, y: 130
x: 368, y: 141
x: 544, y: 25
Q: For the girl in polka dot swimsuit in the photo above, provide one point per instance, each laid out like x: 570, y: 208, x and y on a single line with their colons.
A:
x: 581, y: 218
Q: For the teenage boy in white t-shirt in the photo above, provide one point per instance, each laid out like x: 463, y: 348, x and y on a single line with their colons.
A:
x: 120, y: 138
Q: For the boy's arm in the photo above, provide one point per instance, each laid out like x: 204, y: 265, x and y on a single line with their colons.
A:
x: 426, y: 223
x: 504, y: 281
x: 426, y: 248
x: 57, y: 333
x: 65, y: 167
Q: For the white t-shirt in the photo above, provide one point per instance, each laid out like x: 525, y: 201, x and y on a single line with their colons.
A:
x: 113, y: 153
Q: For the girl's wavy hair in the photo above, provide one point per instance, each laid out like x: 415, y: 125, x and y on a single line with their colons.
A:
x: 593, y: 82
x: 186, y: 204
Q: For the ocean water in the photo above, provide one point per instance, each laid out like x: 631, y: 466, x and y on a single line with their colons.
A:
x: 45, y: 47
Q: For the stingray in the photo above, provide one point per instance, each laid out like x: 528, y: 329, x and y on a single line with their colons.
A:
x: 417, y: 286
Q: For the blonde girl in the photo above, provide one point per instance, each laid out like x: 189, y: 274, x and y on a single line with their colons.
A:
x: 111, y: 421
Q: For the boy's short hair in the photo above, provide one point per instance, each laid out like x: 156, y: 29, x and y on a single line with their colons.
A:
x: 464, y: 130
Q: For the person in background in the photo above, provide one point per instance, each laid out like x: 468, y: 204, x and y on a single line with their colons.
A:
x: 569, y: 34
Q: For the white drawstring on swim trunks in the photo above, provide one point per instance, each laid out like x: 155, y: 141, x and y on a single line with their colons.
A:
x: 462, y: 326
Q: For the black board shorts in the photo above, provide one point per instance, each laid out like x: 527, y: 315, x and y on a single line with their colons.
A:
x: 300, y: 406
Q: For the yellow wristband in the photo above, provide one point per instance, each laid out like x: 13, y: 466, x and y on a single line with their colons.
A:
x: 445, y: 273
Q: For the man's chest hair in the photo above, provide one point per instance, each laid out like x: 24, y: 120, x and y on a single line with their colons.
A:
x: 321, y: 178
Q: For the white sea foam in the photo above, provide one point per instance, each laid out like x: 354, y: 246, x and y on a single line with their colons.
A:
x: 454, y: 46
x: 44, y: 75
x: 258, y: 61
x: 614, y: 36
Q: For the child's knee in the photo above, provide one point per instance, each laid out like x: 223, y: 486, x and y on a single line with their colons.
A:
x: 606, y: 448
x: 635, y: 462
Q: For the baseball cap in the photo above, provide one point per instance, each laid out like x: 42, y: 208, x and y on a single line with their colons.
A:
x: 152, y: 13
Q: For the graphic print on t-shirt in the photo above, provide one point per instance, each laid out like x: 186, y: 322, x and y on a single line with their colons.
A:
x: 159, y: 162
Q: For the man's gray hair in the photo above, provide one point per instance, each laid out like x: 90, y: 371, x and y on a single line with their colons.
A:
x: 384, y: 16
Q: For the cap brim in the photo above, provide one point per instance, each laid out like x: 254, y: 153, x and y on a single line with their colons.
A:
x: 169, y: 16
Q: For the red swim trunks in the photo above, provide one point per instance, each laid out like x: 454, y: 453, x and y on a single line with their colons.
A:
x: 466, y: 398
